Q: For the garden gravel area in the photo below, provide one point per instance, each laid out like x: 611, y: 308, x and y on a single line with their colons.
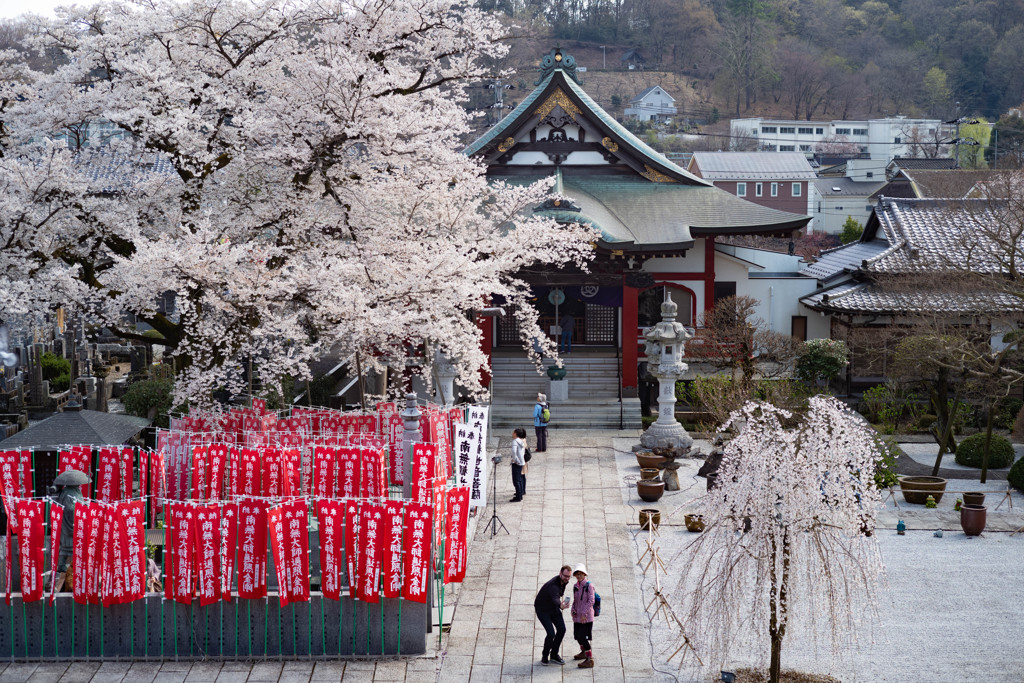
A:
x: 949, y: 610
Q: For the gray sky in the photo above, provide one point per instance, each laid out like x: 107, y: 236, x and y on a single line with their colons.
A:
x: 13, y: 8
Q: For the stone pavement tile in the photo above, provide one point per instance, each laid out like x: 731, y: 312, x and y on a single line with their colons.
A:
x: 360, y: 665
x: 490, y: 647
x: 78, y: 672
x: 49, y: 672
x: 306, y: 665
x: 328, y: 671
x: 485, y: 673
x: 494, y: 619
x: 607, y: 674
x: 421, y: 665
x: 203, y: 672
x: 265, y: 671
x: 176, y: 666
x: 18, y: 673
x: 522, y: 613
x: 232, y: 676
x: 461, y: 644
x: 114, y: 667
x: 456, y: 668
x: 390, y: 670
x: 235, y: 667
x: 100, y: 677
x: 143, y: 672
x: 170, y: 677
x: 295, y: 676
x: 518, y: 647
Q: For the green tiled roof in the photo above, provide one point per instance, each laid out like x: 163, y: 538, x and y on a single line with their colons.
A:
x: 499, y: 129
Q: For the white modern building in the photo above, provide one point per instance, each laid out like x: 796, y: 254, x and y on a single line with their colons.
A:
x: 881, y: 139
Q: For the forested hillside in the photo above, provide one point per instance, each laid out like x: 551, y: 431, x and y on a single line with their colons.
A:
x: 802, y: 58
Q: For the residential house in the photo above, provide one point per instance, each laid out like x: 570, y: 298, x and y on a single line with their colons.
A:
x: 876, y: 288
x: 653, y: 104
x: 780, y: 181
x: 880, y: 139
x: 845, y: 191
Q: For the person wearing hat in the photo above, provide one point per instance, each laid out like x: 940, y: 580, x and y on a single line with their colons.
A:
x: 71, y: 482
x: 583, y: 616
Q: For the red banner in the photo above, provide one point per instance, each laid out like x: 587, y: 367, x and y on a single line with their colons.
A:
x: 325, y: 463
x: 78, y: 458
x: 252, y: 550
x: 56, y: 523
x: 10, y: 487
x: 391, y: 555
x: 108, y: 475
x: 217, y: 463
x: 144, y: 456
x: 249, y: 471
x: 329, y: 520
x: 133, y: 516
x: 180, y: 583
x: 394, y: 432
x: 416, y: 552
x: 456, y: 549
x: 94, y: 552
x: 228, y: 543
x: 208, y: 549
x: 351, y: 544
x: 374, y: 483
x: 200, y: 472
x: 31, y: 524
x: 234, y: 462
x: 371, y: 535
x: 291, y: 481
x: 289, y: 539
x: 348, y: 472
x: 424, y: 458
x: 113, y: 546
x: 272, y: 473
x: 80, y: 572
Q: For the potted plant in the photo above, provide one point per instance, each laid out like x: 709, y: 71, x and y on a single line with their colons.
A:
x: 917, y: 489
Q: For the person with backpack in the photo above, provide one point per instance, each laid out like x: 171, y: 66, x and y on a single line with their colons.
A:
x: 541, y: 416
x: 585, y: 606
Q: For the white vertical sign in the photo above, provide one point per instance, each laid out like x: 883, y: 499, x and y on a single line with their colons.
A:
x: 477, y: 426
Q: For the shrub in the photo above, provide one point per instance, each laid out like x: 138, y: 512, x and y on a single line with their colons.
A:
x: 821, y: 359
x: 926, y: 421
x: 647, y: 420
x: 1016, y: 475
x: 57, y: 370
x: 150, y: 398
x: 885, y: 466
x: 971, y: 450
x: 852, y: 230
x: 1006, y: 411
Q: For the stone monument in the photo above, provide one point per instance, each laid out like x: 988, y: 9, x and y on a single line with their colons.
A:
x: 665, y: 344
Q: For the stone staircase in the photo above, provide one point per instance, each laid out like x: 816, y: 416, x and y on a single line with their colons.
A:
x: 593, y: 393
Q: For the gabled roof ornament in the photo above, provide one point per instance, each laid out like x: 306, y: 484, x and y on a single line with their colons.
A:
x: 556, y: 59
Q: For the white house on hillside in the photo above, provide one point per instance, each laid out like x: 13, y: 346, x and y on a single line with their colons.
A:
x: 652, y: 104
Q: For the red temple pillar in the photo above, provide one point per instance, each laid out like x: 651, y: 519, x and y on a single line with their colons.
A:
x: 709, y: 273
x: 630, y: 320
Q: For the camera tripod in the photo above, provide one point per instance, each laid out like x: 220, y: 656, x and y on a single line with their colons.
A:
x: 495, y: 521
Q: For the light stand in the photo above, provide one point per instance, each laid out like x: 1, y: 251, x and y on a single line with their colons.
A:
x: 495, y: 521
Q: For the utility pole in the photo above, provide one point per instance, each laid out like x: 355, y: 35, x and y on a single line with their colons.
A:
x: 604, y: 57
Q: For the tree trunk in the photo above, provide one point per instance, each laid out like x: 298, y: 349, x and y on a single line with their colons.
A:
x: 988, y: 439
x: 947, y: 433
x: 775, y: 668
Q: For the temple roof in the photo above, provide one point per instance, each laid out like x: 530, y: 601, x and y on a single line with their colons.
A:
x: 635, y: 196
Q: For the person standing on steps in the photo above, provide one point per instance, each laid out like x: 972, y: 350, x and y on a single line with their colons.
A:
x: 583, y: 616
x: 519, y: 464
x: 548, y: 605
x: 540, y: 425
x: 568, y: 324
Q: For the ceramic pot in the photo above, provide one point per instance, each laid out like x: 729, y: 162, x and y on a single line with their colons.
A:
x: 649, y: 473
x: 917, y: 489
x: 650, y: 490
x: 974, y: 498
x: 972, y: 519
x: 556, y: 373
x: 649, y: 516
x: 694, y: 523
x: 647, y: 460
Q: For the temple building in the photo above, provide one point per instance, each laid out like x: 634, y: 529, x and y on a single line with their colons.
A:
x: 658, y: 228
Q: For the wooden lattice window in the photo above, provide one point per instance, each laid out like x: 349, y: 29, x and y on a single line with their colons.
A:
x: 601, y: 324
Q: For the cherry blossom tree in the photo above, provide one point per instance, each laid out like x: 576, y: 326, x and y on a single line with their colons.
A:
x: 290, y: 170
x: 789, y: 535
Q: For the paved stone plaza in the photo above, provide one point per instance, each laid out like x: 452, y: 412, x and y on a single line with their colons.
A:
x: 580, y: 507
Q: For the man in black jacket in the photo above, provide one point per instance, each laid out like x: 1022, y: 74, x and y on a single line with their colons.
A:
x: 549, y: 605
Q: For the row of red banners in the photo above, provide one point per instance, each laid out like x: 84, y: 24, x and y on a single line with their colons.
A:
x: 383, y: 549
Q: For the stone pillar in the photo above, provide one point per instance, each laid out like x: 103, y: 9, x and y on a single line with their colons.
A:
x: 410, y: 435
x: 444, y: 375
x: 35, y: 376
x: 666, y: 343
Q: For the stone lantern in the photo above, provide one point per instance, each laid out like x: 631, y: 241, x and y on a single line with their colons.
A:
x: 665, y: 345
